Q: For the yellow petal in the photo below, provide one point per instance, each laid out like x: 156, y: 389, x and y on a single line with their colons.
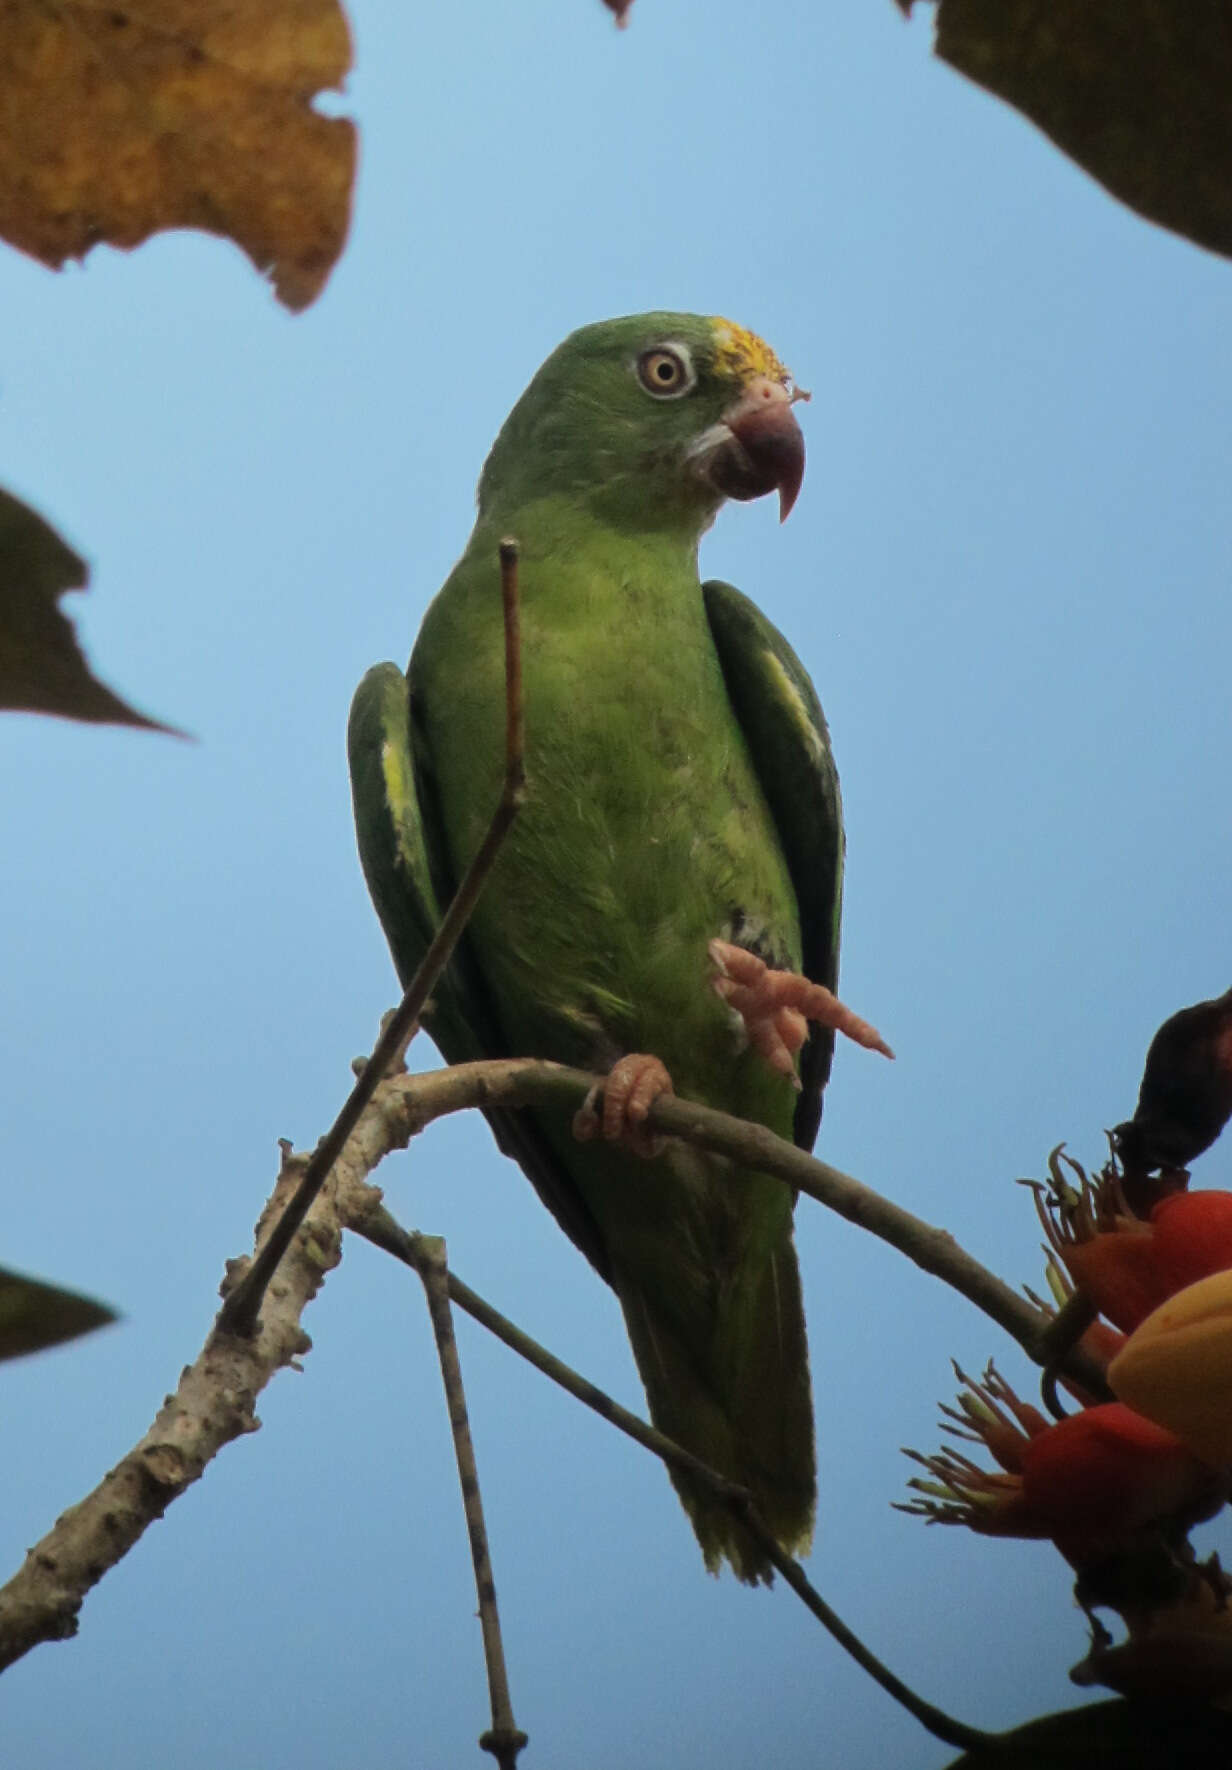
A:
x: 1176, y: 1367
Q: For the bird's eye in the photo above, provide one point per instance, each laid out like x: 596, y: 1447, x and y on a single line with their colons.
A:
x: 665, y: 371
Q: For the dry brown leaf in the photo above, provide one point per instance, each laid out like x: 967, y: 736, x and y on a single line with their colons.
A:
x: 42, y: 669
x: 118, y: 120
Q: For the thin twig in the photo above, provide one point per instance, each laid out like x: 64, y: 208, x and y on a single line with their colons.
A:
x: 1059, y: 1342
x: 239, y: 1313
x: 504, y: 1739
x: 378, y: 1227
x: 418, y: 1251
x: 508, y: 1082
x: 934, y: 1720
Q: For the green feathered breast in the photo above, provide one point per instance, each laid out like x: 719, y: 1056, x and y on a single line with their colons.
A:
x: 680, y: 788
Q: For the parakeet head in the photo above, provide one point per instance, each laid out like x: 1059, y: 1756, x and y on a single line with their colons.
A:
x: 655, y: 418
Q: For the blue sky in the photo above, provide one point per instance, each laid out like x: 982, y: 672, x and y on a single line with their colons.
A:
x: 1008, y: 574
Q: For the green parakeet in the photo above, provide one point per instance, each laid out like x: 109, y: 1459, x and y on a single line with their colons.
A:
x: 681, y: 792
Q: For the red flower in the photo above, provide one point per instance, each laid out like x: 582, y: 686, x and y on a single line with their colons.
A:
x: 1126, y: 1265
x: 1092, y: 1483
x: 1095, y: 1480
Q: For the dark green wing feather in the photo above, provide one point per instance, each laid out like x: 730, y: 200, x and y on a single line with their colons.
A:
x: 403, y: 854
x: 396, y: 851
x: 778, y: 711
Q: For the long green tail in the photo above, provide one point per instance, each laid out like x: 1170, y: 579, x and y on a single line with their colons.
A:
x: 744, y: 1407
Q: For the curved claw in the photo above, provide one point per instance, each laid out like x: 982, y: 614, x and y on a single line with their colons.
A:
x: 586, y: 1122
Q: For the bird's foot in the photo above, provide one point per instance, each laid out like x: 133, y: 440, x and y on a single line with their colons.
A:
x: 776, y: 1007
x: 633, y: 1085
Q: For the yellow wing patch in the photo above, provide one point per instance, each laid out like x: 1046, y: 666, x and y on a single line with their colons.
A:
x: 403, y: 809
x: 790, y: 696
x: 742, y: 354
x: 398, y: 785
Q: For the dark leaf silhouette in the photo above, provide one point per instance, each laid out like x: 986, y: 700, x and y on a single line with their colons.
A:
x: 1110, y: 1736
x: 1136, y: 91
x: 34, y: 1315
x: 42, y: 669
x: 1186, y: 1095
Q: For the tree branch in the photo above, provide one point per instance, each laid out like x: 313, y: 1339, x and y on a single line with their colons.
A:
x: 511, y: 1082
x: 504, y: 1739
x: 416, y: 1251
x: 214, y: 1401
x: 213, y: 1404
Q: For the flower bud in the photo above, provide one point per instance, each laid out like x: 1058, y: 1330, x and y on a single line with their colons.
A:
x: 1176, y: 1367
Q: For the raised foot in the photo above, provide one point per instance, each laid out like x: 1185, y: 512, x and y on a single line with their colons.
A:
x: 633, y: 1085
x: 776, y: 1007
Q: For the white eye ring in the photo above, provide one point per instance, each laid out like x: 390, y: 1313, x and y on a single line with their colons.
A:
x: 666, y: 371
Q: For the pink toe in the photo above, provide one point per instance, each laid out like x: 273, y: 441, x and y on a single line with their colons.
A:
x: 632, y: 1087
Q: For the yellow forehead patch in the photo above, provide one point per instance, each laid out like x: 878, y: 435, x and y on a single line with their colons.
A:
x: 742, y: 354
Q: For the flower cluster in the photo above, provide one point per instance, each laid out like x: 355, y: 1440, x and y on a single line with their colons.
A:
x: 1096, y: 1483
x: 1118, y: 1485
x: 1128, y: 1264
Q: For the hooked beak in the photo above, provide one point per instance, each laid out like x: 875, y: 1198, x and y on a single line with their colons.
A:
x: 756, y: 447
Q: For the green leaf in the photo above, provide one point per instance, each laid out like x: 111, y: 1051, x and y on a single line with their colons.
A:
x: 42, y: 669
x: 34, y: 1315
x: 1111, y: 1736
